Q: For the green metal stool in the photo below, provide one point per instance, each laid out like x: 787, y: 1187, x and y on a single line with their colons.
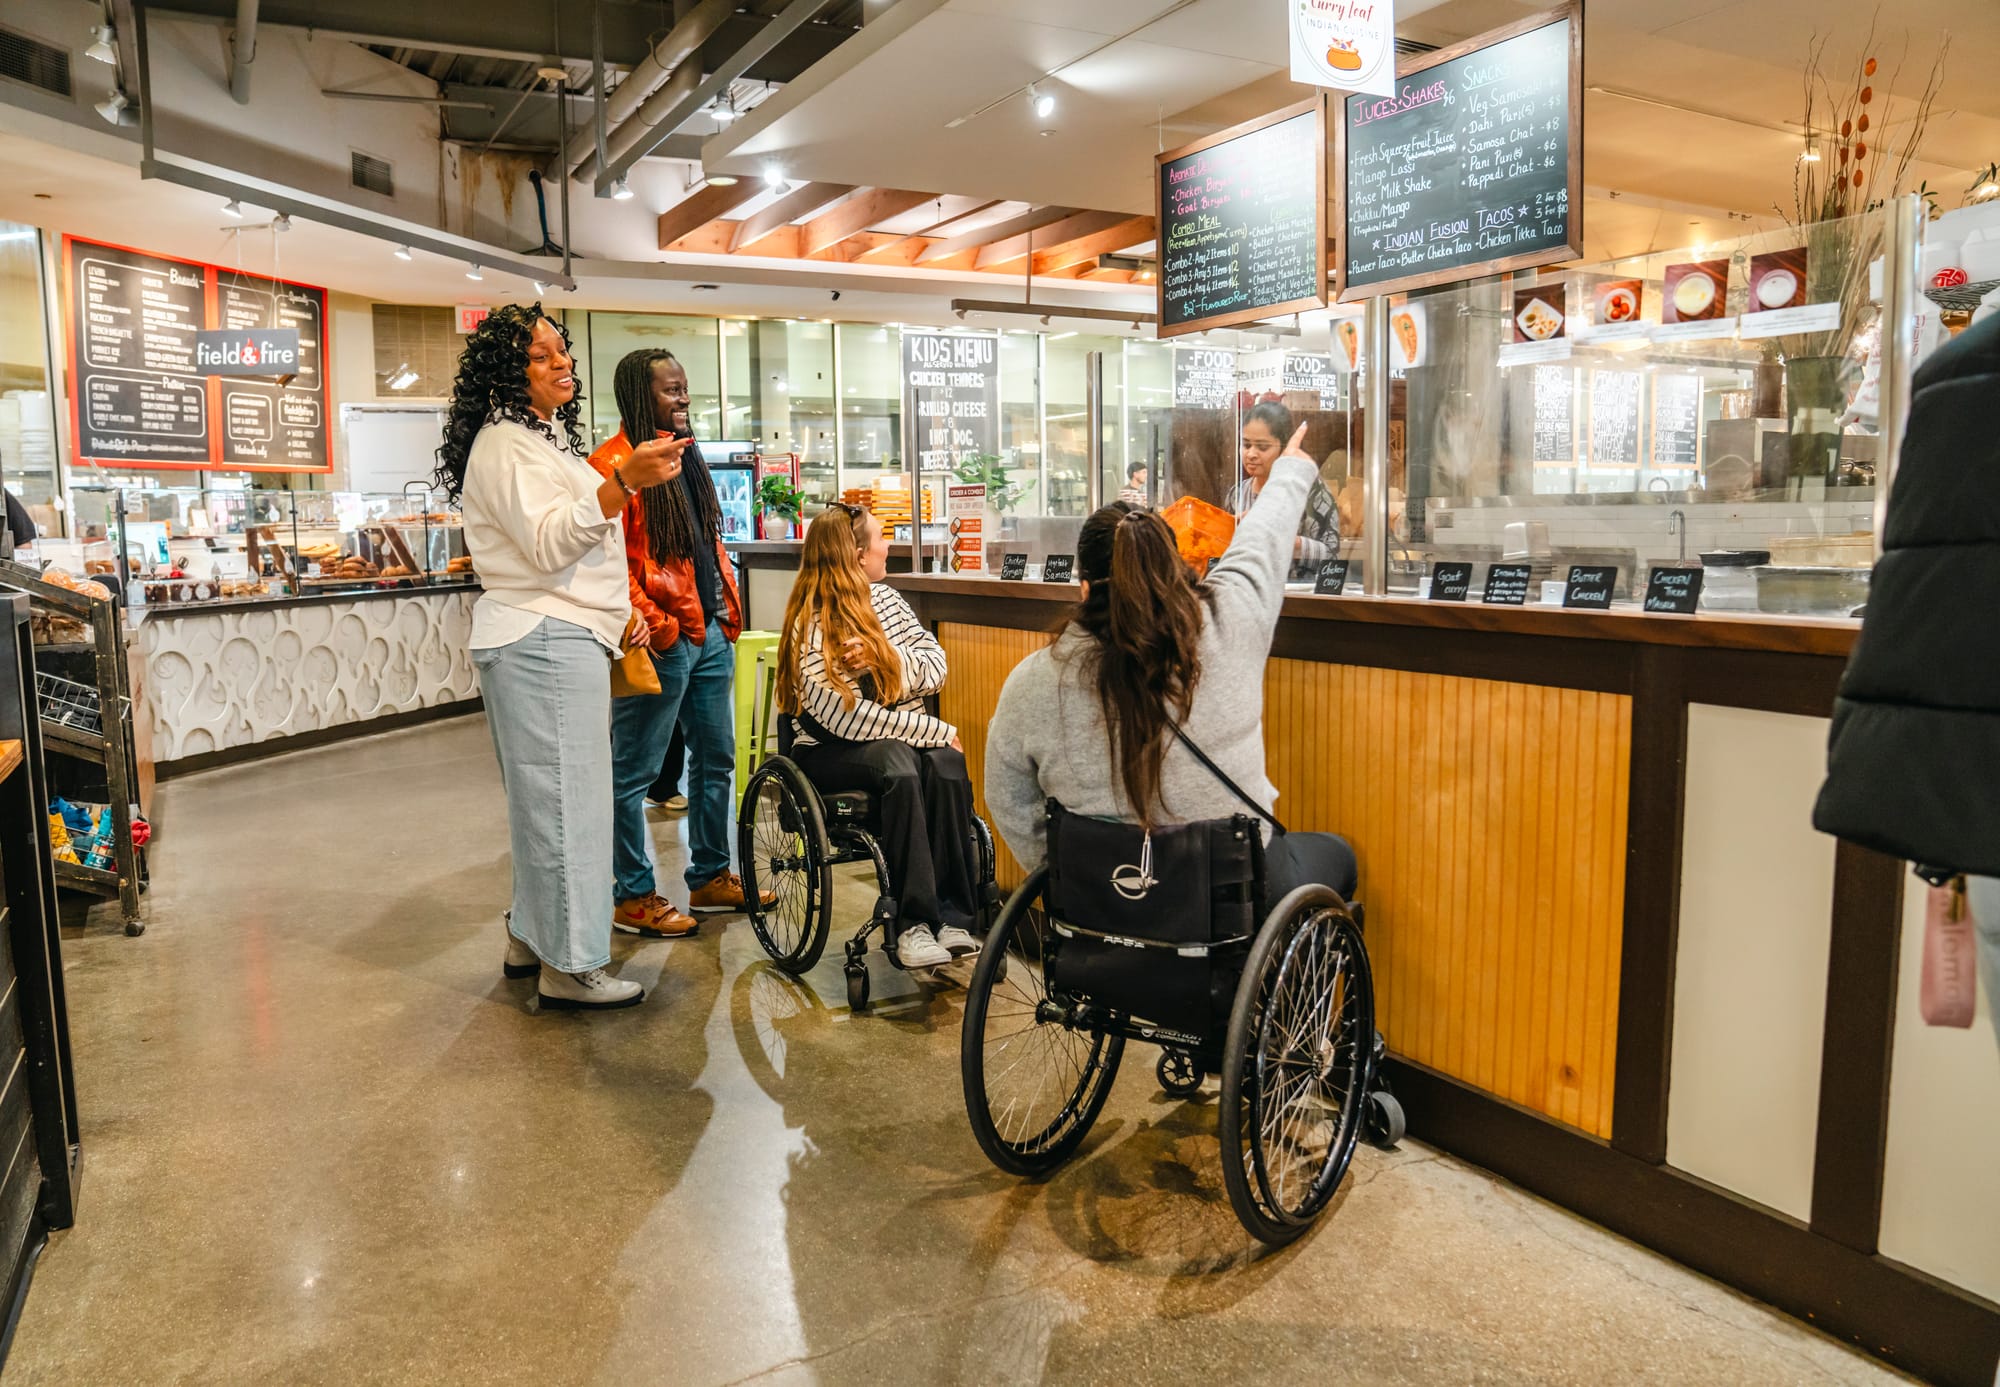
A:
x: 756, y: 651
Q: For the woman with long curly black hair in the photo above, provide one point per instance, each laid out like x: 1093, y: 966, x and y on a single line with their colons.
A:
x: 543, y: 533
x: 682, y: 587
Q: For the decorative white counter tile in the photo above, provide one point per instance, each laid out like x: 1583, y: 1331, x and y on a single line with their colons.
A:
x: 219, y: 678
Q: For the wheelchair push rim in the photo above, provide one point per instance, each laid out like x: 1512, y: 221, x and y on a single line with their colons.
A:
x: 782, y: 846
x: 1033, y: 1085
x: 1297, y: 1066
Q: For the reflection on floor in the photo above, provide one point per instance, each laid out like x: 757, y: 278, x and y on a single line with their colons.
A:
x: 326, y: 1142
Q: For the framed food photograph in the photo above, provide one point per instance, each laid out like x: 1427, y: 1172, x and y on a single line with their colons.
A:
x: 1616, y: 302
x: 1541, y: 312
x: 1777, y: 280
x: 1694, y: 292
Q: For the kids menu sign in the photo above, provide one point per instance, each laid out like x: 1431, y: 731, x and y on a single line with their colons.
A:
x: 1474, y: 165
x: 1242, y: 226
x: 951, y: 398
x: 157, y: 352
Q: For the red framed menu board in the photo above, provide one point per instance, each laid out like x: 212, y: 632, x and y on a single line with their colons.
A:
x: 135, y: 397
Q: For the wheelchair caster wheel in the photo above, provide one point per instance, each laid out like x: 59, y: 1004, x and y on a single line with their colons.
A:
x: 1386, y: 1124
x: 1179, y: 1073
x: 857, y: 987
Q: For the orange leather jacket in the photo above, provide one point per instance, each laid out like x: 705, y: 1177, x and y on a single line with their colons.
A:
x: 664, y: 593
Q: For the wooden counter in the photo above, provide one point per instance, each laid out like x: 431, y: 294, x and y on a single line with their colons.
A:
x: 1516, y: 783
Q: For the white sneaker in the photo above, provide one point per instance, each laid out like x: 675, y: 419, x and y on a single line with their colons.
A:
x: 917, y: 947
x: 957, y: 942
x: 593, y: 990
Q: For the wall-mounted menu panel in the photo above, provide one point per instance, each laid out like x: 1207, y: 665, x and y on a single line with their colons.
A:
x: 1615, y: 398
x: 1473, y: 167
x: 137, y: 398
x: 1676, y: 421
x: 1242, y: 223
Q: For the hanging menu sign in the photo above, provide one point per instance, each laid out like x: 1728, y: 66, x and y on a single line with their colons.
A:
x: 1614, y: 418
x: 143, y: 393
x: 1676, y: 421
x: 265, y: 423
x: 1242, y: 225
x: 1204, y: 378
x: 1473, y: 167
x: 1554, y: 424
x: 951, y: 398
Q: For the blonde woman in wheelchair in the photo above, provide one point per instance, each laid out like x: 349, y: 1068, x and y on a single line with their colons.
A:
x: 854, y: 667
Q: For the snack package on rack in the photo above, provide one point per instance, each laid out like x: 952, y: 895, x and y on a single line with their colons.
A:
x: 57, y: 577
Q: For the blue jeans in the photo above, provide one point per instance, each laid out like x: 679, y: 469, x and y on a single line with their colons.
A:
x: 548, y: 701
x: 695, y: 683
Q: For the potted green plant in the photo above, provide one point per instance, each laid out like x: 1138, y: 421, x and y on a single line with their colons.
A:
x: 990, y: 471
x: 780, y: 504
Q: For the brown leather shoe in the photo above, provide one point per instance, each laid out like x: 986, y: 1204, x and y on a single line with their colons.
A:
x: 725, y: 892
x: 653, y: 916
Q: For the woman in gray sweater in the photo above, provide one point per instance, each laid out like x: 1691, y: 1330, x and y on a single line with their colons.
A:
x: 1088, y: 721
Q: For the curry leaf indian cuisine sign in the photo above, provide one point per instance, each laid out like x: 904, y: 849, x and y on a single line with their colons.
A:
x: 1345, y: 43
x: 182, y: 365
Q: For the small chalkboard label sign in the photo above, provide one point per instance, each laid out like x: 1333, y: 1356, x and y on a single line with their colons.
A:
x: 1013, y: 567
x: 1057, y: 568
x: 1590, y: 585
x: 1450, y: 581
x: 1507, y: 584
x: 1674, y: 590
x: 1331, y: 578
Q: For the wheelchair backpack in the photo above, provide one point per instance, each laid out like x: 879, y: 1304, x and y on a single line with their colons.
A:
x: 1140, y: 914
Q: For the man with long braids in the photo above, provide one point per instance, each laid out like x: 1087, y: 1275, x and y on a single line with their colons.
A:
x: 681, y: 585
x: 543, y: 532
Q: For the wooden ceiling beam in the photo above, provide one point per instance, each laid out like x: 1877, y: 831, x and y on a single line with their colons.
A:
x: 858, y: 213
x: 1033, y: 220
x: 1123, y: 235
x: 796, y: 205
x: 1015, y: 249
x: 698, y: 209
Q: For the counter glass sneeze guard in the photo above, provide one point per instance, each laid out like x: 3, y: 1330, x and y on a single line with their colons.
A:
x: 243, y: 545
x: 1717, y: 409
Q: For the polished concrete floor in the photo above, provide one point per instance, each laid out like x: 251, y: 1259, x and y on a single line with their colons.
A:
x: 326, y: 1142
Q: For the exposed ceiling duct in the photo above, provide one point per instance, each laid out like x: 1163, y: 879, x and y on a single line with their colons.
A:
x: 660, y: 78
x: 243, y: 51
x: 663, y: 113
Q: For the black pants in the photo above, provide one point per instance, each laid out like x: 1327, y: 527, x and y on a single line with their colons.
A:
x: 669, y: 783
x: 1300, y: 859
x: 924, y: 799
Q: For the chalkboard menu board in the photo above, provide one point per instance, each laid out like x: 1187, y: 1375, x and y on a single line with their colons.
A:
x: 139, y: 400
x: 1242, y: 223
x: 1554, y: 419
x: 1614, y: 417
x: 1676, y: 421
x: 1473, y: 167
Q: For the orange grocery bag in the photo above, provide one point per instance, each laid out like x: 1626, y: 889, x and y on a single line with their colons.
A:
x: 1201, y: 530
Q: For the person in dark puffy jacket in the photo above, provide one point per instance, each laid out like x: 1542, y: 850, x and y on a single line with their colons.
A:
x: 1916, y: 731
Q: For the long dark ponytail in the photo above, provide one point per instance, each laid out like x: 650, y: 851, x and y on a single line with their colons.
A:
x: 671, y: 530
x: 1144, y: 615
x: 492, y: 383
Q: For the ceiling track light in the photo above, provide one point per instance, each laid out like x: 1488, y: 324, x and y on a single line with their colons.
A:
x: 282, y: 222
x: 621, y: 191
x: 473, y: 272
x: 721, y: 180
x: 232, y: 208
x: 405, y: 253
x: 103, y: 39
x: 774, y: 177
x: 541, y: 289
x: 114, y: 106
x: 1044, y: 102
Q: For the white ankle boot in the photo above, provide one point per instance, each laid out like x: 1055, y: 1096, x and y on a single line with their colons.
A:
x: 592, y: 990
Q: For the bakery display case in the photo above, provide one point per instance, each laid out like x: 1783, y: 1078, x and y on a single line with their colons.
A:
x: 179, y: 546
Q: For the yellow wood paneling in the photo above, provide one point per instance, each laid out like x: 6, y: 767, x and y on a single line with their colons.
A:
x: 1490, y: 821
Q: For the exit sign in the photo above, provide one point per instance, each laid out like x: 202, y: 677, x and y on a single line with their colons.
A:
x: 471, y: 315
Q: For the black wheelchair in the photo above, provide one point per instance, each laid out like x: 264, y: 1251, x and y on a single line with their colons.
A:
x: 790, y: 837
x: 1280, y: 1002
